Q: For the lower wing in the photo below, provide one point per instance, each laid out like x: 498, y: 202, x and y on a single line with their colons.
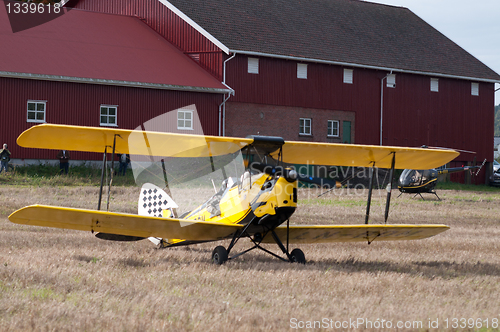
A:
x: 121, y: 223
x: 355, y: 233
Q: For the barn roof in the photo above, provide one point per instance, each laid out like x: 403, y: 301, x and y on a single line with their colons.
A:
x: 347, y: 32
x: 92, y: 47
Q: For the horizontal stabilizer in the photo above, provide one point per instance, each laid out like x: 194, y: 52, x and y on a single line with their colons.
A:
x: 121, y: 223
x: 355, y: 233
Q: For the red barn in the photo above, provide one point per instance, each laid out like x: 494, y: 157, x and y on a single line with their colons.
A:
x: 324, y: 70
x: 95, y: 69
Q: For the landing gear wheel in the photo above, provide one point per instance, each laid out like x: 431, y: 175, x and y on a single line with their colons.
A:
x: 219, y: 255
x: 297, y: 256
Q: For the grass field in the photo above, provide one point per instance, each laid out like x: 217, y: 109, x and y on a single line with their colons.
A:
x: 58, y: 280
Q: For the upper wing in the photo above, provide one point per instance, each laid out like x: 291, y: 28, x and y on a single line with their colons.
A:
x: 356, y: 233
x: 364, y: 155
x: 91, y: 139
x: 121, y: 224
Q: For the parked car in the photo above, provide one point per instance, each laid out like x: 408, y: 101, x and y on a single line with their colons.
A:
x: 495, y: 177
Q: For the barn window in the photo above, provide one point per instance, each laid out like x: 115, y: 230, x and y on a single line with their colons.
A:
x: 302, y: 70
x: 253, y: 65
x: 305, y: 126
x: 348, y: 77
x: 36, y: 111
x: 435, y: 84
x: 333, y: 128
x: 185, y: 119
x: 391, y: 80
x: 108, y: 115
x: 474, y: 89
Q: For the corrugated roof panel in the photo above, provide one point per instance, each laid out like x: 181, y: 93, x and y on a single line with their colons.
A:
x: 351, y: 32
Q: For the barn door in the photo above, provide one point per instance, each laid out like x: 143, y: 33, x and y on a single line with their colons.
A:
x: 346, y: 132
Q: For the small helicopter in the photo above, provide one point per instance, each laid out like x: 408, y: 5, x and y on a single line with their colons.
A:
x: 417, y: 182
x: 256, y: 205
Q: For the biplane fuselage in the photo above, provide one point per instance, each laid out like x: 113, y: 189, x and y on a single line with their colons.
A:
x: 266, y: 200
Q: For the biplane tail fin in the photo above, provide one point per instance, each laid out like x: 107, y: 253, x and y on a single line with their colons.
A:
x: 155, y: 202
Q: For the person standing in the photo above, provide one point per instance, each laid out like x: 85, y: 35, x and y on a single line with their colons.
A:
x: 124, y: 161
x: 63, y: 157
x: 4, y: 158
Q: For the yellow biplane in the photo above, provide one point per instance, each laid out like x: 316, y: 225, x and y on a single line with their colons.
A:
x: 256, y: 205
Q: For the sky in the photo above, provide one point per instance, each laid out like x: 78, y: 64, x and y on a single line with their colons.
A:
x: 473, y: 25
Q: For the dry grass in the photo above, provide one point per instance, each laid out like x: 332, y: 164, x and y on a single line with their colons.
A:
x: 61, y: 280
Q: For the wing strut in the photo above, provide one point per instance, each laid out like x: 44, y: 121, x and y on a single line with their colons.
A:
x: 102, y: 177
x: 103, y: 170
x: 112, y: 170
x: 389, y: 190
x: 167, y: 188
x: 389, y: 187
x: 370, y: 189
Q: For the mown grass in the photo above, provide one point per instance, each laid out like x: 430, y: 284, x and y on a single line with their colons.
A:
x: 47, y: 175
x: 466, y: 187
x: 61, y: 280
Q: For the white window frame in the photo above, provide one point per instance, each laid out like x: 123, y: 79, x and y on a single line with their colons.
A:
x: 348, y: 76
x: 305, y: 126
x: 253, y: 65
x: 330, y: 128
x: 435, y: 84
x: 182, y: 122
x: 474, y: 89
x: 108, y: 116
x: 36, y: 111
x: 391, y: 80
x: 302, y: 71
